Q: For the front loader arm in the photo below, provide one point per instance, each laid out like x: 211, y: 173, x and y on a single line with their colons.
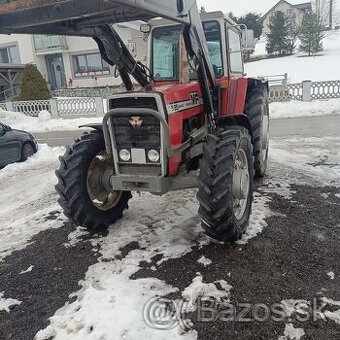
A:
x: 91, y: 17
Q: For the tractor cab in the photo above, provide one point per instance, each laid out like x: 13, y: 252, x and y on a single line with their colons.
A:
x: 224, y: 41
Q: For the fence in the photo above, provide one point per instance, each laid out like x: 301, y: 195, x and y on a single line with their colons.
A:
x: 305, y: 91
x: 93, y: 106
x: 10, y: 93
x: 279, y: 90
x: 103, y: 92
x: 30, y: 108
x: 277, y: 80
x: 59, y: 107
x: 75, y: 107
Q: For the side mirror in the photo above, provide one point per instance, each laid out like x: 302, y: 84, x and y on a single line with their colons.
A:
x: 8, y: 128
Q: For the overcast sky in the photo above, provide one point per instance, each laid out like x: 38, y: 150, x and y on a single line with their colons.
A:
x: 239, y: 7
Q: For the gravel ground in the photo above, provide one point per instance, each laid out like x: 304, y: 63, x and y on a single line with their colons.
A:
x: 289, y: 260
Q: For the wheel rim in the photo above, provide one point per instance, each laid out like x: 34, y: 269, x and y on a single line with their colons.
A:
x: 265, y: 136
x: 100, y: 197
x: 29, y: 151
x: 241, y: 184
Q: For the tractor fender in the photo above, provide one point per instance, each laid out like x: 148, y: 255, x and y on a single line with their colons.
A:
x: 95, y: 126
x: 235, y: 120
x: 255, y: 82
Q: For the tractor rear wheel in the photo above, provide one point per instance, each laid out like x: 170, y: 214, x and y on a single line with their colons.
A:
x: 82, y: 194
x: 257, y: 109
x: 226, y: 179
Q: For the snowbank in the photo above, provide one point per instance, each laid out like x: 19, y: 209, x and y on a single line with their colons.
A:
x: 27, y: 193
x: 298, y: 66
x: 313, y: 158
x: 305, y: 109
x: 33, y: 124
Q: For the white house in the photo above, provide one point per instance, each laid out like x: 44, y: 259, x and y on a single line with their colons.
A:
x: 64, y: 61
x: 294, y: 13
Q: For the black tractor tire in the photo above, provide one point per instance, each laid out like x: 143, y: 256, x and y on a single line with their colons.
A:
x: 257, y: 109
x: 72, y: 185
x: 27, y: 151
x: 215, y: 190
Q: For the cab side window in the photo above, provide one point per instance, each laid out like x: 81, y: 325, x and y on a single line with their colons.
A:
x: 213, y: 36
x: 235, y: 52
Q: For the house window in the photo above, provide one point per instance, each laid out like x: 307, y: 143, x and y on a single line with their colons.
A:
x: 290, y: 12
x: 92, y: 64
x: 9, y: 55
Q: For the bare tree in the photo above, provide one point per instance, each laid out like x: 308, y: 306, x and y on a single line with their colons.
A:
x: 324, y: 21
x: 327, y: 13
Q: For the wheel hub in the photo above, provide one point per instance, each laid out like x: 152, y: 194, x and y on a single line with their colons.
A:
x: 99, y: 170
x: 265, y: 136
x: 241, y: 184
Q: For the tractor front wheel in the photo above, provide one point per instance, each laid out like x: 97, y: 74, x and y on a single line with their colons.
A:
x: 225, y: 191
x: 83, y: 195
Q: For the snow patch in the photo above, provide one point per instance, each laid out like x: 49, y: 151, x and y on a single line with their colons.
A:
x: 205, y: 261
x: 331, y: 275
x: 75, y: 237
x: 321, y: 163
x: 332, y: 315
x: 294, y: 109
x: 27, y: 198
x: 5, y: 304
x: 34, y: 124
x: 258, y: 218
x: 282, y: 189
x: 44, y: 116
x: 220, y: 290
x: 292, y: 333
x: 291, y: 307
x: 166, y: 225
x: 330, y: 301
x: 29, y: 269
x: 298, y: 67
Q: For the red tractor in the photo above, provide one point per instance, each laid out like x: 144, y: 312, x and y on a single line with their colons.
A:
x: 193, y: 110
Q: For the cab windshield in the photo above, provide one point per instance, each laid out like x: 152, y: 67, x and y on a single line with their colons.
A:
x: 165, y: 51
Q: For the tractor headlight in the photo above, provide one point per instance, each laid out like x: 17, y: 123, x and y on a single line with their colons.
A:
x: 125, y: 155
x: 153, y: 156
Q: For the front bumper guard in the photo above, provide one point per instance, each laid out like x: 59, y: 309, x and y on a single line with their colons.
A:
x: 154, y: 184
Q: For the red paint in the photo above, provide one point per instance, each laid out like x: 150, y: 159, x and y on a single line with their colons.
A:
x: 233, y: 94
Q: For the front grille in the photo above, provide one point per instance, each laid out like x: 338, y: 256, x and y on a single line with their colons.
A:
x: 146, y: 170
x: 145, y: 136
x: 133, y: 102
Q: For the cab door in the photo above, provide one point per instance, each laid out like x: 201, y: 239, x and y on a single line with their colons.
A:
x: 237, y: 83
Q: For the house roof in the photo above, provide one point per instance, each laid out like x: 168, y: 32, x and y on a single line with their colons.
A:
x: 301, y: 7
x: 304, y: 6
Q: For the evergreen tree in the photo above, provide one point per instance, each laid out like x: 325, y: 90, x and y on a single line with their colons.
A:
x: 232, y: 16
x: 292, y: 37
x: 33, y: 85
x: 253, y: 22
x: 202, y: 10
x: 310, y: 34
x: 278, y: 38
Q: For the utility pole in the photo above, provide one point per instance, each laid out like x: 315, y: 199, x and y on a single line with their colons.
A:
x: 330, y: 14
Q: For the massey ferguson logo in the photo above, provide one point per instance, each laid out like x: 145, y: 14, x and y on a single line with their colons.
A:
x: 136, y: 121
